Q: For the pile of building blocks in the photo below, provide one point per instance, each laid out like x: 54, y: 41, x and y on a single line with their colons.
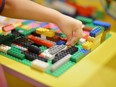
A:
x: 42, y: 46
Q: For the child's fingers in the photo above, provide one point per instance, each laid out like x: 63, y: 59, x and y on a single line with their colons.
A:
x: 77, y: 34
x: 69, y: 37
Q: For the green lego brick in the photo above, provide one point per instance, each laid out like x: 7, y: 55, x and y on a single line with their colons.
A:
x: 16, y: 53
x: 61, y: 69
x: 84, y: 19
x: 63, y: 35
x: 77, y: 56
x: 79, y: 46
x: 43, y: 48
x: 7, y: 40
x: 26, y: 22
x: 98, y: 14
x: 91, y: 25
x: 25, y: 32
x: 24, y: 61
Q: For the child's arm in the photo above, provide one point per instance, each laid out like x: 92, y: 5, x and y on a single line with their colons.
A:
x: 26, y: 9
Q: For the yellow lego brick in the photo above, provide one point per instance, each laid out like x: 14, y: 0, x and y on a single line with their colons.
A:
x: 46, y: 32
x: 87, y: 45
x: 17, y: 24
x: 94, y: 39
x: 104, y: 35
x: 25, y: 27
x: 96, y: 44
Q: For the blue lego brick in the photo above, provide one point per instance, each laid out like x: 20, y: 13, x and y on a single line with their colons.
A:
x: 84, y: 51
x: 60, y: 42
x: 96, y: 31
x: 43, y: 24
x: 104, y: 24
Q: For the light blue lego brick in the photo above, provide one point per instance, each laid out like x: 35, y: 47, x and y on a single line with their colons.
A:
x: 27, y: 22
x: 104, y: 24
x: 84, y: 51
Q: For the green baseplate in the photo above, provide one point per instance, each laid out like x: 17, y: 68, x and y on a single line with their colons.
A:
x: 61, y: 69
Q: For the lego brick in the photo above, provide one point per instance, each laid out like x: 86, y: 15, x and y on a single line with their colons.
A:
x: 84, y: 19
x: 34, y: 49
x: 43, y: 24
x: 24, y: 61
x: 23, y: 41
x: 57, y: 48
x: 100, y: 23
x: 81, y: 41
x: 55, y: 38
x: 63, y: 53
x: 87, y: 28
x: 96, y: 31
x: 87, y: 45
x: 27, y: 22
x: 15, y: 33
x: 19, y: 47
x: 8, y: 27
x: 25, y: 27
x: 46, y: 32
x: 4, y: 48
x: 16, y: 53
x: 39, y: 65
x: 84, y: 51
x: 25, y: 32
x: 34, y: 25
x: 90, y: 25
x: 60, y: 62
x: 77, y: 56
x: 61, y: 69
x: 60, y: 42
x: 52, y: 51
x: 43, y: 48
x: 6, y: 39
x: 32, y: 56
x: 6, y: 33
x: 40, y: 42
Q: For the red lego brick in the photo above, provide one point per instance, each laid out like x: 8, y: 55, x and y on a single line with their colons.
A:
x: 40, y: 42
x: 8, y: 27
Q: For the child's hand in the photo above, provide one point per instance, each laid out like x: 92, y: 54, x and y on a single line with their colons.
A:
x: 72, y: 28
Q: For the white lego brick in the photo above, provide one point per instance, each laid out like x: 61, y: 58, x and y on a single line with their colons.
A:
x: 43, y: 37
x: 82, y: 40
x: 4, y: 48
x: 39, y: 65
x: 60, y: 62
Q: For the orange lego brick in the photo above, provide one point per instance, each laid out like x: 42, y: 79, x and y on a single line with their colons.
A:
x: 8, y: 27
